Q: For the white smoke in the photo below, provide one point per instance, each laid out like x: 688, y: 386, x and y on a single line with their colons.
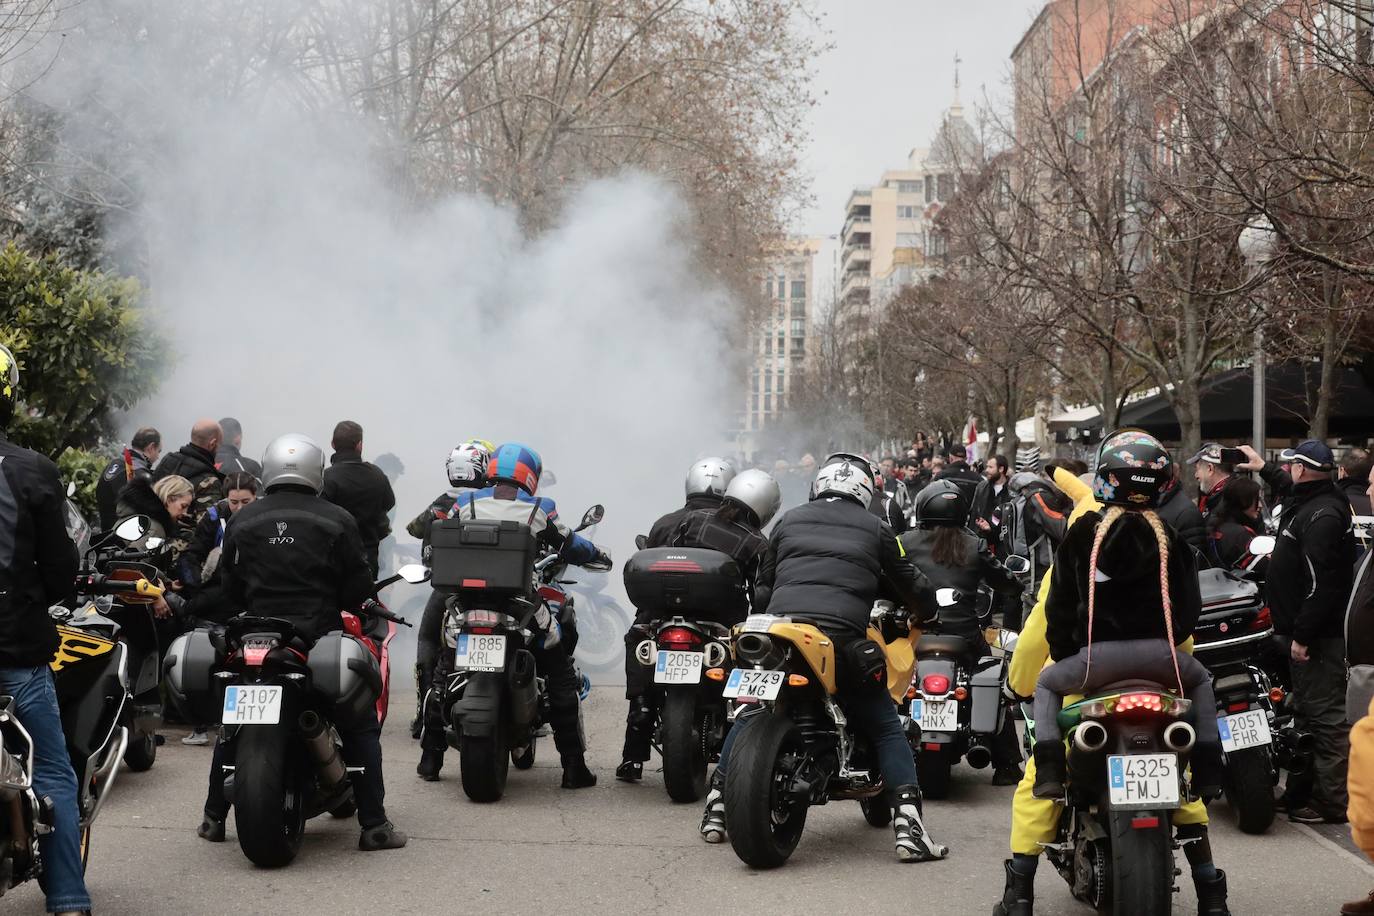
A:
x: 298, y: 288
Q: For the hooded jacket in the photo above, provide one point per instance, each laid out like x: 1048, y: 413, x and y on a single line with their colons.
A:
x: 198, y: 466
x: 1183, y: 515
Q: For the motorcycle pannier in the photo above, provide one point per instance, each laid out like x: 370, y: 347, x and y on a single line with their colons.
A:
x: 484, y: 555
x: 346, y: 674
x: 190, y: 662
x: 691, y: 581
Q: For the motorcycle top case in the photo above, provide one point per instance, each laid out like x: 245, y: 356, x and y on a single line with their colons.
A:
x: 189, y: 664
x: 346, y: 674
x: 689, y: 581
x: 486, y: 556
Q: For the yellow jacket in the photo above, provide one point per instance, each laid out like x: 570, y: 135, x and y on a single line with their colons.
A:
x: 1361, y: 782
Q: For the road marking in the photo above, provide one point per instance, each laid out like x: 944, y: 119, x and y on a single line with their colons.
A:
x: 1360, y: 861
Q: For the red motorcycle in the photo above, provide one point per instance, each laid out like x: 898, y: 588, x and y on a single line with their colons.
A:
x: 376, y: 628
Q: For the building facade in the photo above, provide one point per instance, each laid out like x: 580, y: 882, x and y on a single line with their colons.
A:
x: 783, y: 338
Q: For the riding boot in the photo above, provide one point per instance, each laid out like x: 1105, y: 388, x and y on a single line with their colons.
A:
x: 575, y: 772
x: 431, y: 762
x: 914, y: 843
x: 1211, y: 895
x: 1018, y: 897
x: 713, y: 818
x: 639, y: 732
x: 1050, y: 766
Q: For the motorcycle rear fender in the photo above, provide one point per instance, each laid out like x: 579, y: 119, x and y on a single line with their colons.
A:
x: 901, y: 661
x: 1233, y: 688
x: 815, y: 648
x: 478, y: 710
x: 937, y: 664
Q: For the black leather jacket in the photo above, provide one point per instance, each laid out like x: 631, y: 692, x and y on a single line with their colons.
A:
x: 979, y: 567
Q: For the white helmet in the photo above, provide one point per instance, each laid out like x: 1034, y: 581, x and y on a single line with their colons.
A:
x: 293, y: 459
x: 467, y: 464
x: 758, y: 492
x: 710, y: 477
x: 845, y: 475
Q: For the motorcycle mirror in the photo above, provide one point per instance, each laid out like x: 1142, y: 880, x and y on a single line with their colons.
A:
x: 132, y: 528
x: 414, y: 573
x: 1017, y: 566
x: 1263, y: 545
x: 947, y: 597
x: 593, y: 517
x: 641, y: 541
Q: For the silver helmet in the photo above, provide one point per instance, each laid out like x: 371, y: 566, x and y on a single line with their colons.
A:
x: 845, y: 475
x: 758, y: 492
x: 293, y: 459
x: 710, y: 477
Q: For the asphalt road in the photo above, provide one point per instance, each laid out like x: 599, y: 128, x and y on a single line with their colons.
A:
x: 616, y: 848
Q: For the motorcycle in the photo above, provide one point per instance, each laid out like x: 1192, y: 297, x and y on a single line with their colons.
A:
x: 1129, y: 747
x: 1235, y: 640
x: 601, y: 620
x: 90, y: 672
x: 280, y: 700
x: 491, y: 698
x: 689, y: 586
x: 799, y: 750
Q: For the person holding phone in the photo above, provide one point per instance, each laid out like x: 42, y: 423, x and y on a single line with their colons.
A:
x: 1212, y: 468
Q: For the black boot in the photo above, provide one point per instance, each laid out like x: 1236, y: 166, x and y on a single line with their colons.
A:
x: 1050, y: 765
x: 1211, y: 896
x: 1018, y: 897
x: 1207, y: 765
x: 575, y: 772
x: 212, y: 829
x: 431, y: 762
x: 630, y: 771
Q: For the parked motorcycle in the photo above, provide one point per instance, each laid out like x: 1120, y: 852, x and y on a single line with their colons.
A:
x: 694, y: 590
x: 503, y: 600
x: 1129, y: 747
x: 799, y: 751
x: 280, y: 699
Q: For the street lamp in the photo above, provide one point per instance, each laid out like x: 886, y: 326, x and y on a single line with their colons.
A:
x: 1258, y: 245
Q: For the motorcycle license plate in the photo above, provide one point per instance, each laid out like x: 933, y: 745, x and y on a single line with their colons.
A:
x: 252, y: 704
x: 678, y: 667
x: 758, y: 685
x: 477, y: 652
x: 936, y: 715
x: 1244, y: 729
x: 1141, y: 781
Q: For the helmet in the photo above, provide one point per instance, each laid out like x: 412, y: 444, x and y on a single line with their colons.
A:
x: 845, y: 475
x: 1022, y: 480
x: 9, y: 383
x: 1132, y: 470
x: 293, y: 459
x: 709, y: 477
x: 756, y: 491
x: 467, y: 464
x: 517, y: 464
x: 941, y: 504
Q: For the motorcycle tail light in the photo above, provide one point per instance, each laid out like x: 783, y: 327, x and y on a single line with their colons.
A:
x: 1150, y: 702
x: 1238, y: 707
x: 482, y: 618
x: 481, y: 631
x: 1263, y: 621
x: 716, y: 674
x: 678, y: 638
x: 960, y: 693
x: 935, y: 684
x: 1276, y: 694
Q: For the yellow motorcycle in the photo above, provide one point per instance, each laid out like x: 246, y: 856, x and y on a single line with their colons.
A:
x: 799, y: 750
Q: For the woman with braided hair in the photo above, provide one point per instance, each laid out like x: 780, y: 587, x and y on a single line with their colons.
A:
x: 1124, y: 594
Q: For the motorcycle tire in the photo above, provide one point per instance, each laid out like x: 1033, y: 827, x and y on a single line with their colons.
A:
x: 877, y: 810
x: 484, y: 763
x: 1142, y: 865
x: 523, y: 759
x: 85, y: 847
x: 141, y: 753
x: 1250, y: 789
x: 269, y: 805
x: 764, y: 830
x: 933, y: 771
x: 684, y: 747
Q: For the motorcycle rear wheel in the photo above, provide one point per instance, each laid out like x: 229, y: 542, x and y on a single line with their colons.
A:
x: 484, y: 763
x: 1250, y: 789
x: 141, y: 753
x: 1142, y: 865
x: 764, y: 829
x: 269, y: 809
x: 684, y: 746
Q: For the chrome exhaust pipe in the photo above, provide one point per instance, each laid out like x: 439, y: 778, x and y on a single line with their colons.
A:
x: 322, y: 751
x: 647, y: 652
x: 1179, y: 737
x: 1090, y: 737
x: 716, y: 654
x: 978, y: 757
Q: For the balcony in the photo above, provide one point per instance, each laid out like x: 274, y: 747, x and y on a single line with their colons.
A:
x: 855, y: 255
x: 857, y: 223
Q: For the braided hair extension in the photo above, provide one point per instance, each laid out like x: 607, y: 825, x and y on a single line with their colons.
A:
x: 1162, y: 538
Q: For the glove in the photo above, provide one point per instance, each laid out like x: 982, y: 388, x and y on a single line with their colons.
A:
x: 603, y: 557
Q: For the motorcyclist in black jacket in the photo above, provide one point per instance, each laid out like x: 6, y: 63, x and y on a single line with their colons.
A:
x: 735, y: 527
x: 142, y: 453
x: 950, y: 556
x: 360, y: 487
x: 298, y: 557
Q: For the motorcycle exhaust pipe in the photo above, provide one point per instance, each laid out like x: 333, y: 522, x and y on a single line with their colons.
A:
x: 647, y: 652
x: 716, y: 654
x: 1090, y: 737
x: 1179, y: 737
x: 322, y: 751
x: 978, y: 757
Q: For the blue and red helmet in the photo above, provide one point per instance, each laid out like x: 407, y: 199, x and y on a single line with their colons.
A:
x: 517, y: 464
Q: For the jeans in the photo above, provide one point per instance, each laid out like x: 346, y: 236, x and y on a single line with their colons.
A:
x: 35, y: 699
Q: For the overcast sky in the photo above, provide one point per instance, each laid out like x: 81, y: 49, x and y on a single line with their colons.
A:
x: 884, y: 86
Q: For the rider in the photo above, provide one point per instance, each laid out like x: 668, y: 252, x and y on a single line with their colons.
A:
x: 707, y: 481
x: 37, y: 571
x: 306, y: 577
x: 735, y: 527
x: 828, y: 561
x: 1035, y: 820
x: 514, y: 474
x: 951, y: 556
x: 467, y: 470
x: 886, y: 507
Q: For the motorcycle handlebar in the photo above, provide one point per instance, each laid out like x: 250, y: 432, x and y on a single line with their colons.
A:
x: 104, y: 585
x: 376, y: 609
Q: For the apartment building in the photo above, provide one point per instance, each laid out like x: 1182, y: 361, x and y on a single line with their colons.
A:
x: 783, y: 339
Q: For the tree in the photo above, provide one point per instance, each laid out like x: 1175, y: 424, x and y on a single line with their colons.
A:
x: 84, y: 347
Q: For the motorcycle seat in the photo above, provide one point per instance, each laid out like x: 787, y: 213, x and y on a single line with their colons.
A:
x: 938, y: 644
